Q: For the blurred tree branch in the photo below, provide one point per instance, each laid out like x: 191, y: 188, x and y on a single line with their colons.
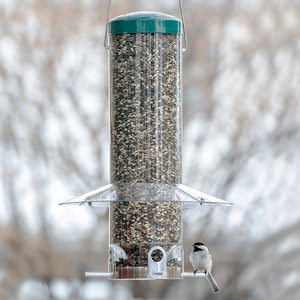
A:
x: 241, y: 88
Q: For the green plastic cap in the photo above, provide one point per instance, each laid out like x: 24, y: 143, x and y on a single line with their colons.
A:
x: 145, y: 22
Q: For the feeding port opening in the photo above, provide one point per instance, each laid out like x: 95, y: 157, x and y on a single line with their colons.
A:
x: 156, y: 254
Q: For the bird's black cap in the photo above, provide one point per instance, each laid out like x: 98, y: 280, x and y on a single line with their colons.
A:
x: 198, y: 244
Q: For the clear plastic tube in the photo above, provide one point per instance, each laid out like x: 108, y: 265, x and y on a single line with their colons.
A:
x: 146, y: 146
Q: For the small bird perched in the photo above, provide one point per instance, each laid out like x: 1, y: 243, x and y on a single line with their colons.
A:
x: 201, y: 261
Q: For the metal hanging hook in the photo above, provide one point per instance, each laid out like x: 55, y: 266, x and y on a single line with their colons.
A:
x: 182, y: 19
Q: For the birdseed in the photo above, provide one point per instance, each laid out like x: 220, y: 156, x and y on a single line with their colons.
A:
x: 146, y: 142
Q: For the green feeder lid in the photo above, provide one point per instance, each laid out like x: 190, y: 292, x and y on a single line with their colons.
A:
x: 145, y: 22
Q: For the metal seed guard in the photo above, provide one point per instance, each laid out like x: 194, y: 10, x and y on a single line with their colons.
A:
x: 146, y: 195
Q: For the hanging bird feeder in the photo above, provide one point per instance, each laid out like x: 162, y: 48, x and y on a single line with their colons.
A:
x: 146, y: 195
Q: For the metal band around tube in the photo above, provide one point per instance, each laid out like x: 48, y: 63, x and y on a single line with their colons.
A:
x: 182, y: 19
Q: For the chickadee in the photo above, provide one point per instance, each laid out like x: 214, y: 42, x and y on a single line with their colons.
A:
x: 201, y: 261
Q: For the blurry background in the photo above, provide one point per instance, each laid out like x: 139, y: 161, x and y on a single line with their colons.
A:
x: 241, y: 143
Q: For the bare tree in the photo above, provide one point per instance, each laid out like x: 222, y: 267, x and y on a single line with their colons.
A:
x: 241, y: 121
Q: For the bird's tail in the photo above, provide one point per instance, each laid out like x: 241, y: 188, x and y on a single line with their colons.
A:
x: 212, y: 282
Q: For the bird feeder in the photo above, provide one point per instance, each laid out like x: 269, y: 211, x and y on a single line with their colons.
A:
x: 146, y: 195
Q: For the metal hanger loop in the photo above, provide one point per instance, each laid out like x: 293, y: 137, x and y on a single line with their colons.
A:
x: 183, y: 27
x: 108, y: 47
x: 106, y: 27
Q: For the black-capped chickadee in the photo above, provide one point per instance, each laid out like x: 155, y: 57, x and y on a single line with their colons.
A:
x: 201, y: 261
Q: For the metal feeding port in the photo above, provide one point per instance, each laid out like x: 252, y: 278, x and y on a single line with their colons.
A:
x: 146, y: 195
